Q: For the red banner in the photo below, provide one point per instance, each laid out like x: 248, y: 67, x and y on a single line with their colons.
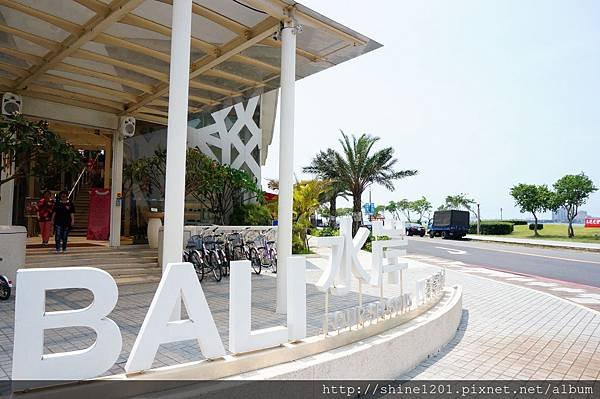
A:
x: 592, y: 222
x: 99, y: 214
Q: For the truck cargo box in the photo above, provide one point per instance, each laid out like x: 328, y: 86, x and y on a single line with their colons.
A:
x: 451, y: 218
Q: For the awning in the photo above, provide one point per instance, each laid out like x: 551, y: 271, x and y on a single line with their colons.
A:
x: 113, y: 56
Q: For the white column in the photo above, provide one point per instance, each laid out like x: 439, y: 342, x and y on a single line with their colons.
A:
x: 116, y: 189
x: 177, y: 132
x: 7, y: 191
x: 286, y: 159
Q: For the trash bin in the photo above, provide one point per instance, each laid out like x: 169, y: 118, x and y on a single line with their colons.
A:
x: 12, y: 250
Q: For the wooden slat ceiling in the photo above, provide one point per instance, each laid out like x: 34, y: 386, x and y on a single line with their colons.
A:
x: 88, y: 61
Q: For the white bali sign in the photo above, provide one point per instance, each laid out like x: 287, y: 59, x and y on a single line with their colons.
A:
x: 343, y: 262
x: 387, y: 254
x: 179, y: 281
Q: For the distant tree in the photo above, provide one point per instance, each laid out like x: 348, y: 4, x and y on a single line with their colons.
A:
x: 534, y: 199
x: 379, y: 211
x: 406, y: 207
x: 392, y: 208
x: 344, y: 211
x: 323, y: 165
x: 358, y: 166
x: 571, y: 192
x: 421, y: 207
x: 306, y: 202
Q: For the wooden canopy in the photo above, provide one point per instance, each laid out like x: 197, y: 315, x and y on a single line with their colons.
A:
x: 114, y: 55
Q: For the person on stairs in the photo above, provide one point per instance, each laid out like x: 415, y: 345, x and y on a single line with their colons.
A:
x: 63, y: 219
x: 45, y: 208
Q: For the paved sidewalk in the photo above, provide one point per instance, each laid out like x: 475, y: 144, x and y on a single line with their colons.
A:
x: 512, y: 332
x: 540, y: 242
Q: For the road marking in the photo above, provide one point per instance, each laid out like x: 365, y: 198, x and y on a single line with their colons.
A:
x: 522, y: 253
x: 570, y: 290
x: 453, y: 251
x: 585, y: 301
x: 540, y: 284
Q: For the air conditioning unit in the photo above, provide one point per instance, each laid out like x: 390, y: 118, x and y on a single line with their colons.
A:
x: 128, y: 126
x: 11, y: 103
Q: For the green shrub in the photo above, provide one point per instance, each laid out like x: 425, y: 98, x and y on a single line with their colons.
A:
x: 493, y: 228
x: 540, y: 226
x: 251, y: 215
x: 517, y: 222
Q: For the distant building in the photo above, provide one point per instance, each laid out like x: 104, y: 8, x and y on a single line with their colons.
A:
x: 560, y: 216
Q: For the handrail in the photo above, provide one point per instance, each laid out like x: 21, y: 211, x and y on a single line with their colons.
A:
x: 77, y: 181
x: 76, y: 185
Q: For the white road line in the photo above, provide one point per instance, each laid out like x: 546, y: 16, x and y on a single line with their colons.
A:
x: 569, y: 290
x: 452, y: 251
x: 540, y: 284
x: 585, y: 301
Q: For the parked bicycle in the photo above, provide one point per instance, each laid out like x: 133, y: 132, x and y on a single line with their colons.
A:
x: 263, y: 253
x: 193, y: 255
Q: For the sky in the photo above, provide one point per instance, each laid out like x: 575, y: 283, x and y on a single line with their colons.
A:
x: 476, y: 95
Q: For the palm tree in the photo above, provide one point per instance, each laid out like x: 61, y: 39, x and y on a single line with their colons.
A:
x: 323, y: 166
x: 358, y: 166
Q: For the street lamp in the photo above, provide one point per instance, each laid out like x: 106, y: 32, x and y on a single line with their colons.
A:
x: 478, y: 220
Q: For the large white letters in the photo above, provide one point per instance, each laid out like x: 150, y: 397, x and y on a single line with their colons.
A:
x: 31, y: 319
x: 179, y: 281
x: 241, y: 336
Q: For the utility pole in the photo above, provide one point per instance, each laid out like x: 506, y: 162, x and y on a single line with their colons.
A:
x: 501, y: 214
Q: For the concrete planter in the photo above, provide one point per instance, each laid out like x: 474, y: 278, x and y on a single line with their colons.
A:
x: 12, y: 250
x: 154, y: 225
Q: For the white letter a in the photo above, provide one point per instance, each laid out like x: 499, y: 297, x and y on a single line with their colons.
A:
x: 179, y: 280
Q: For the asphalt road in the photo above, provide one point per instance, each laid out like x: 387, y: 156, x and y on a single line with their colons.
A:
x: 560, y: 264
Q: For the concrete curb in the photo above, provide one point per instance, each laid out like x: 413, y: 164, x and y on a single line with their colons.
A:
x: 541, y: 244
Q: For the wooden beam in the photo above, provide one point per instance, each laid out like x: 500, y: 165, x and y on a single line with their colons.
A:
x: 51, y: 19
x: 306, y: 54
x: 75, y: 96
x: 110, y: 40
x: 215, y: 17
x: 118, y: 8
x: 206, y: 63
x: 153, y: 111
x: 18, y: 71
x: 159, y: 102
x: 213, y: 88
x: 104, y: 76
x: 217, y: 73
x: 6, y: 82
x: 90, y: 55
x: 32, y: 59
x: 151, y: 118
x: 242, y: 59
x: 143, y: 23
x: 30, y: 37
x: 94, y: 5
x: 88, y: 86
x: 64, y: 100
x: 98, y: 132
x: 202, y: 100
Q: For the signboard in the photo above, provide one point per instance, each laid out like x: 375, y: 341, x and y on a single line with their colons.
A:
x: 369, y: 208
x: 592, y: 222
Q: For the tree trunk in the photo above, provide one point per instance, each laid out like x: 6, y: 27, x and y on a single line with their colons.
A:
x: 356, y: 212
x: 332, y: 212
x: 535, y: 231
x: 571, y: 231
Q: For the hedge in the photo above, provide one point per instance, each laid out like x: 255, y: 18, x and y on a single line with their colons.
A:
x: 493, y: 228
x: 540, y: 226
x: 516, y: 222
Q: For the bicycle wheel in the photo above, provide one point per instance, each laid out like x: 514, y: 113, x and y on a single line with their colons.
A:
x: 255, y: 260
x: 238, y: 254
x: 198, y: 263
x: 215, y: 264
x: 4, y: 290
x: 184, y: 257
x: 273, y: 256
x: 225, y: 262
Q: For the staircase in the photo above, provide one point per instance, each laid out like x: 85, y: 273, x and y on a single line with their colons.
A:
x: 131, y: 264
x: 82, y: 209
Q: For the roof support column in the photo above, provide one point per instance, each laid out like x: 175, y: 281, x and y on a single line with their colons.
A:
x: 177, y: 131
x: 116, y: 187
x: 286, y: 159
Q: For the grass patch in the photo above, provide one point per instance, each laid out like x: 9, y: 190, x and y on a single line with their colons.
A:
x: 557, y: 232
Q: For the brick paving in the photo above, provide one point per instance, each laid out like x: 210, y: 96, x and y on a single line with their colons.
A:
x: 516, y: 333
